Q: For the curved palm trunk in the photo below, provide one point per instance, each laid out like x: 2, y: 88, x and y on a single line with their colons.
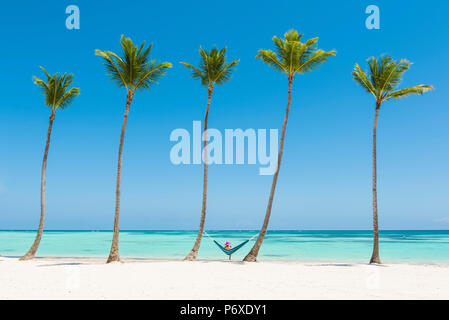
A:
x: 375, y: 256
x: 114, y: 254
x: 32, y: 252
x: 194, y: 252
x: 252, y: 255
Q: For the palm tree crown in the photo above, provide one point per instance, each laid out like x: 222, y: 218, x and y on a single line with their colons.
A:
x: 292, y: 56
x: 134, y: 70
x: 55, y: 90
x: 385, y: 75
x: 213, y: 67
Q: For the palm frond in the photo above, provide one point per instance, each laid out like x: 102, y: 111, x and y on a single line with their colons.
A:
x: 360, y: 77
x: 212, y: 67
x: 226, y: 72
x: 315, y: 60
x: 291, y: 56
x: 153, y: 71
x: 270, y: 58
x: 385, y: 74
x: 43, y: 86
x: 391, y: 74
x: 402, y: 93
x: 68, y: 98
x: 307, y: 49
x: 55, y: 90
x: 374, y: 74
x: 110, y: 62
x: 46, y: 73
x: 133, y: 70
x: 197, y: 73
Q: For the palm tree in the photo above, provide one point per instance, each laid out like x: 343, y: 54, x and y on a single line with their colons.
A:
x: 385, y: 75
x: 133, y: 71
x: 213, y: 69
x: 292, y: 57
x: 57, y: 96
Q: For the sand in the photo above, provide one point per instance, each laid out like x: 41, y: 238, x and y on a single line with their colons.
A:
x: 77, y: 278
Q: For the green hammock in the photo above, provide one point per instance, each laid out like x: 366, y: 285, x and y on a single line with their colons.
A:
x: 230, y: 251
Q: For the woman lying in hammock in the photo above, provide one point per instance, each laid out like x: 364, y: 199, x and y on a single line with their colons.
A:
x: 226, y: 248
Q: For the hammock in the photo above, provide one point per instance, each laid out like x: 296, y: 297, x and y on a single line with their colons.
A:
x: 230, y: 251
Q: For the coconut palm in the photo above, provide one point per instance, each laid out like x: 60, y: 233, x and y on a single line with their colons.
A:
x: 383, y: 78
x: 57, y: 96
x: 291, y: 57
x: 133, y: 71
x: 213, y: 69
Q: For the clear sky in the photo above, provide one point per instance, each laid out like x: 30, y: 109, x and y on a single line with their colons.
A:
x: 325, y: 179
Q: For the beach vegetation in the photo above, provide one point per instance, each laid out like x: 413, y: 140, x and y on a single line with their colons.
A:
x: 382, y: 79
x: 212, y: 70
x: 133, y: 71
x: 291, y: 57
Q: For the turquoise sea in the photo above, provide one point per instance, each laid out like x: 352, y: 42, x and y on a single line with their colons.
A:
x: 348, y: 246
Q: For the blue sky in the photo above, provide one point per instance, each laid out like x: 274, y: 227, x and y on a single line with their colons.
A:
x: 325, y: 179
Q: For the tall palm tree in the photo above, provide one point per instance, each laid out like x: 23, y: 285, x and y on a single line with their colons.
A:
x: 382, y: 81
x: 133, y: 71
x: 213, y: 69
x: 57, y: 96
x: 291, y: 57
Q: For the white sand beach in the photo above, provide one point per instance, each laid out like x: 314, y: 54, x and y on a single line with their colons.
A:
x: 70, y: 278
